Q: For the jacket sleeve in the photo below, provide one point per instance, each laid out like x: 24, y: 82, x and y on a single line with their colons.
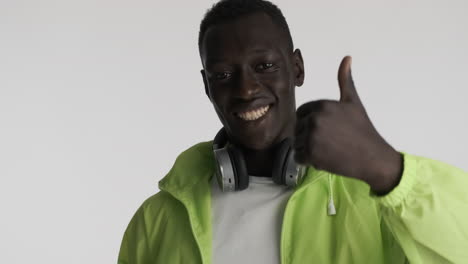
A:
x: 427, y: 212
x: 123, y: 253
x: 134, y: 248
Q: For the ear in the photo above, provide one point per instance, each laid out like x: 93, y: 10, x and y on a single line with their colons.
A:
x: 205, y: 82
x: 298, y: 67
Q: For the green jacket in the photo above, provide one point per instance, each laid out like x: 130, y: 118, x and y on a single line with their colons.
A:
x: 423, y: 220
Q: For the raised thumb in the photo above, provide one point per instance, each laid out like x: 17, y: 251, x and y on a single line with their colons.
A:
x: 348, y: 91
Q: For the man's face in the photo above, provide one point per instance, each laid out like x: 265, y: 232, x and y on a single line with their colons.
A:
x: 250, y: 75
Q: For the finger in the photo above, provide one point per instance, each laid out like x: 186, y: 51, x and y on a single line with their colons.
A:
x: 313, y: 106
x: 301, y: 140
x: 300, y: 133
x: 348, y: 91
x: 300, y: 155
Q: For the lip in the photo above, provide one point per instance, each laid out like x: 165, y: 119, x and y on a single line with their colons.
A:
x: 247, y: 108
x: 256, y: 121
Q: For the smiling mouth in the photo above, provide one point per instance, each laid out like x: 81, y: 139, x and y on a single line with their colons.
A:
x: 254, y: 114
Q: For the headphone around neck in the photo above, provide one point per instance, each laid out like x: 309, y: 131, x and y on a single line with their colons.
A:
x: 231, y: 171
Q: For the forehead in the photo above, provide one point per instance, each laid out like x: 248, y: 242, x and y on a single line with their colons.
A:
x: 252, y: 33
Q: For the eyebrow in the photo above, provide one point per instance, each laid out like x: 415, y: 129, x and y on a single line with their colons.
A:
x: 214, y: 60
x: 211, y: 62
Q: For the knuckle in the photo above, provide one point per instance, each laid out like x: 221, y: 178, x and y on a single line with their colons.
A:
x: 321, y: 105
x: 326, y: 105
x: 317, y: 122
x: 312, y: 122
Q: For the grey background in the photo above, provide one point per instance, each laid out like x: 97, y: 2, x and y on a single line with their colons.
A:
x: 97, y: 98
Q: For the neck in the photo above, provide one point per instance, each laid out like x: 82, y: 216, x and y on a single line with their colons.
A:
x: 259, y: 162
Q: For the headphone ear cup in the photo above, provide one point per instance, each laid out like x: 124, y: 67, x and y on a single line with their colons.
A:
x: 280, y: 161
x: 240, y: 169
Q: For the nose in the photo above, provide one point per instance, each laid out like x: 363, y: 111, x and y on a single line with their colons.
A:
x: 247, y: 85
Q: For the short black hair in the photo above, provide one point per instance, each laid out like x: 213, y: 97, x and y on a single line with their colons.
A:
x: 227, y: 10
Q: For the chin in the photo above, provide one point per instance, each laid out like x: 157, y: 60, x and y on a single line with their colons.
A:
x: 259, y: 135
x: 256, y: 143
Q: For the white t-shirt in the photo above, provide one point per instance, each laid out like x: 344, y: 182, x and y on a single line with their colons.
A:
x: 247, y: 224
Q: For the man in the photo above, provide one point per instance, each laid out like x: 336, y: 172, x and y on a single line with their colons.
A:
x: 360, y: 201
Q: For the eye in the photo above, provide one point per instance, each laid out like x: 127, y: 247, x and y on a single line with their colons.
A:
x: 222, y: 75
x: 264, y: 66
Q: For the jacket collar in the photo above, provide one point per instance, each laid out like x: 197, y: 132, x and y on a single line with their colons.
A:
x: 189, y: 182
x: 196, y: 165
x: 191, y: 167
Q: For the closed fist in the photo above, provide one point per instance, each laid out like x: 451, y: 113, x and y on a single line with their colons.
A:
x: 339, y: 137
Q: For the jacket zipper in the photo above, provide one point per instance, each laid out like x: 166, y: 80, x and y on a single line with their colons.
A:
x: 285, y: 224
x: 283, y: 230
x: 192, y: 228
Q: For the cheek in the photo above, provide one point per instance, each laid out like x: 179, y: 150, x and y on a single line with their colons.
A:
x: 220, y: 103
x: 285, y: 96
x: 220, y: 111
x: 219, y: 100
x: 281, y: 82
x: 283, y: 91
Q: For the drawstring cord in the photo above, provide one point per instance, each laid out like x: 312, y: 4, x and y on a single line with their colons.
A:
x: 331, y: 204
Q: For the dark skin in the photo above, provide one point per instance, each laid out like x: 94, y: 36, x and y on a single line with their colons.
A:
x: 248, y: 64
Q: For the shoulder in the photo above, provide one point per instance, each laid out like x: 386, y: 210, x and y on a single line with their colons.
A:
x: 155, y: 214
x: 156, y: 207
x: 338, y: 185
x: 163, y: 203
x: 194, y: 155
x: 191, y: 166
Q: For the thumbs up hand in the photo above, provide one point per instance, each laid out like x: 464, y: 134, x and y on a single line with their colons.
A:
x: 338, y: 136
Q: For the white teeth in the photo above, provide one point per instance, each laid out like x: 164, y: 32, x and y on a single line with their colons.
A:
x: 254, y: 114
